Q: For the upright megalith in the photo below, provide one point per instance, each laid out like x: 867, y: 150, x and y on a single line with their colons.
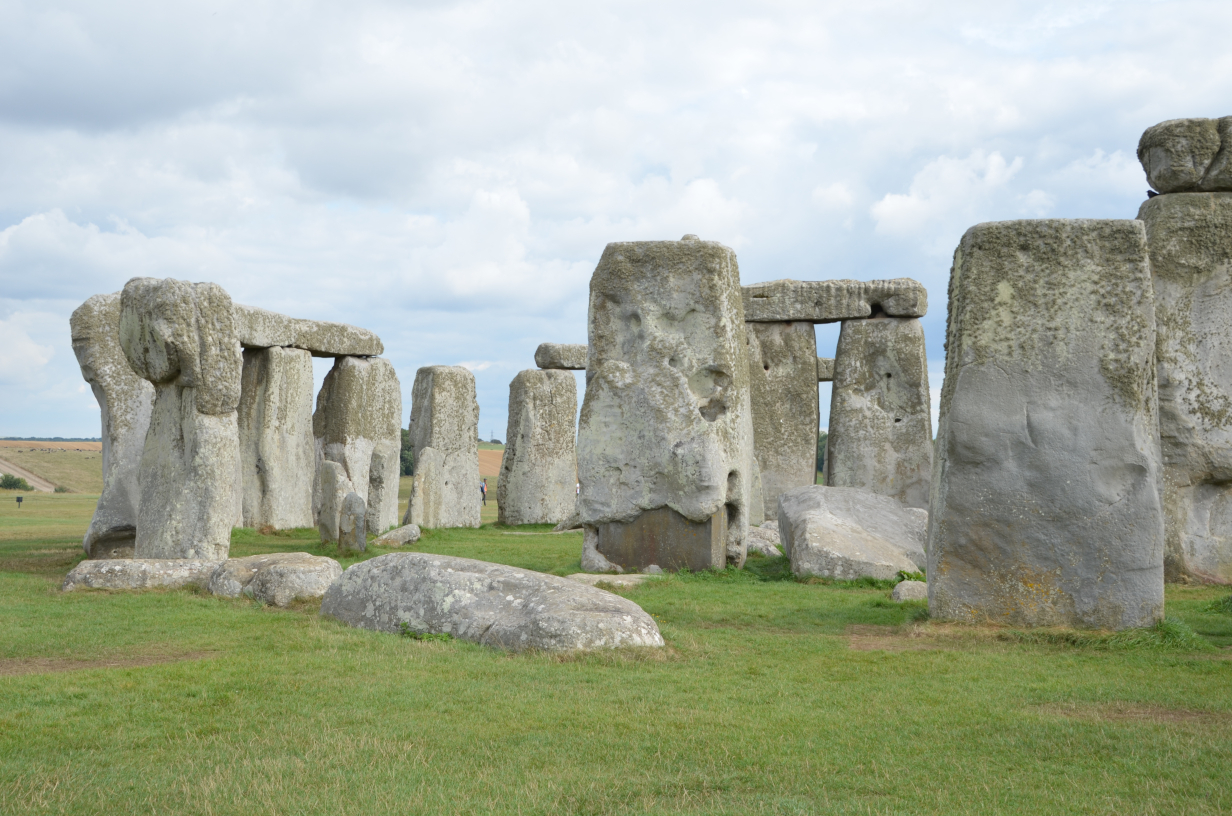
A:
x: 358, y: 425
x: 1045, y: 505
x: 665, y: 440
x: 181, y: 337
x: 1190, y: 241
x: 333, y: 487
x: 352, y: 531
x: 444, y: 435
x: 881, y: 429
x: 124, y: 401
x: 567, y: 356
x: 538, y: 476
x: 277, y: 450
x: 783, y: 380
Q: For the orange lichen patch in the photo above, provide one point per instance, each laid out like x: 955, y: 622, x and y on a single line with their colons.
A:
x: 1136, y: 712
x: 14, y: 666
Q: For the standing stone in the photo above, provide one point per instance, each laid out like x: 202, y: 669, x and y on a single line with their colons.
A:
x: 124, y: 401
x: 358, y: 425
x: 783, y: 388
x: 181, y: 337
x: 1190, y: 240
x: 881, y: 427
x: 445, y: 438
x: 567, y: 356
x: 666, y: 424
x: 538, y: 476
x: 1045, y: 504
x: 277, y: 451
x: 352, y: 532
x: 333, y: 487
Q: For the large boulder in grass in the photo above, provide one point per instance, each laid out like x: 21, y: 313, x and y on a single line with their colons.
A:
x: 764, y: 540
x: 849, y: 533
x: 276, y: 579
x: 490, y: 604
x: 141, y: 573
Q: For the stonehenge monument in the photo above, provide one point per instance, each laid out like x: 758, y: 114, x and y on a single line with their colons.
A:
x: 538, y: 473
x: 665, y: 436
x: 1188, y: 155
x: 881, y: 434
x: 125, y: 401
x: 207, y: 418
x: 786, y: 301
x: 1045, y: 504
x: 567, y: 356
x: 445, y: 438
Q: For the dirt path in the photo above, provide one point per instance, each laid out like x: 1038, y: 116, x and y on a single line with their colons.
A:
x: 37, y: 482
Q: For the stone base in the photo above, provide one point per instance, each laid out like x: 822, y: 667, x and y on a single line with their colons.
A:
x: 667, y: 539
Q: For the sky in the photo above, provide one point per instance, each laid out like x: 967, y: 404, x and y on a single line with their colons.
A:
x: 448, y: 173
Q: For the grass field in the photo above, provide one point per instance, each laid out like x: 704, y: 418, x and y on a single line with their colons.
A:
x: 81, y: 471
x: 773, y: 696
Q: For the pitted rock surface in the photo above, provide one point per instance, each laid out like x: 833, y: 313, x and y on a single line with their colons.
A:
x: 567, y: 356
x: 1188, y: 155
x: 489, y: 604
x: 139, y: 573
x: 538, y: 476
x: 847, y: 533
x: 277, y: 579
x: 258, y: 328
x: 830, y: 301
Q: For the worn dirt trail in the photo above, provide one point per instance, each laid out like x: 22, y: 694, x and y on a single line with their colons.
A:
x: 37, y: 482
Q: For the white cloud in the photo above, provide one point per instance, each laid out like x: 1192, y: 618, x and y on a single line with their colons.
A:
x: 943, y: 189
x: 23, y: 359
x: 476, y: 365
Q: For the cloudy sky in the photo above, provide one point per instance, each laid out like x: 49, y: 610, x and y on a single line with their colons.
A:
x: 447, y: 174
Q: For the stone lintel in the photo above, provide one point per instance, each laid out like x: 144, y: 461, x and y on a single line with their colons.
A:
x: 258, y: 328
x: 825, y: 369
x: 566, y: 356
x: 830, y: 301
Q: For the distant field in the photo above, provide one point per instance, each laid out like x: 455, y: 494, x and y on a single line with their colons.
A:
x: 76, y: 465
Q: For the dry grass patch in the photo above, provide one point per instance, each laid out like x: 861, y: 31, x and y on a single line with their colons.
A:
x: 17, y: 666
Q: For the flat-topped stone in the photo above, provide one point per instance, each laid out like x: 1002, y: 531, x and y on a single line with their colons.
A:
x: 277, y: 579
x: 568, y: 356
x: 259, y: 328
x: 832, y: 300
x: 139, y: 573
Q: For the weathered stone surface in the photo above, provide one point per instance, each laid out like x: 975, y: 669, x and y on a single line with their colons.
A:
x: 538, y: 477
x: 909, y: 591
x: 881, y: 427
x: 444, y: 434
x: 181, y: 337
x: 358, y: 425
x: 124, y: 401
x: 352, y: 531
x: 620, y: 581
x: 333, y: 487
x: 764, y: 541
x: 830, y: 301
x: 1188, y: 155
x: 139, y: 573
x: 1045, y: 504
x: 1189, y: 236
x: 783, y: 387
x: 277, y: 451
x: 825, y: 369
x: 593, y: 560
x: 568, y: 356
x: 664, y: 538
x: 490, y: 604
x: 847, y: 533
x: 277, y: 579
x: 666, y: 421
x: 399, y: 536
x: 258, y: 328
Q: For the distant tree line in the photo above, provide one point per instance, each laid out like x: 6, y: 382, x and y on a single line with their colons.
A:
x: 822, y: 436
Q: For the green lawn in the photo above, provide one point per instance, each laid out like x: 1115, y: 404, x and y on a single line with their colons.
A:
x: 773, y: 697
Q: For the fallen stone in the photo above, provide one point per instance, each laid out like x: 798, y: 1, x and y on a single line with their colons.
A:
x: 124, y: 401
x: 139, y: 573
x: 1188, y: 155
x: 489, y: 604
x: 825, y: 369
x: 1189, y: 236
x: 277, y: 451
x: 277, y: 579
x: 538, y: 476
x: 666, y: 422
x: 444, y: 436
x: 258, y: 328
x: 785, y: 301
x: 567, y: 356
x: 352, y: 532
x: 881, y: 428
x: 399, y: 536
x: 909, y: 591
x: 621, y: 581
x: 333, y: 490
x: 764, y: 541
x: 783, y: 389
x: 358, y: 425
x: 847, y: 533
x: 181, y: 337
x: 1045, y: 507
